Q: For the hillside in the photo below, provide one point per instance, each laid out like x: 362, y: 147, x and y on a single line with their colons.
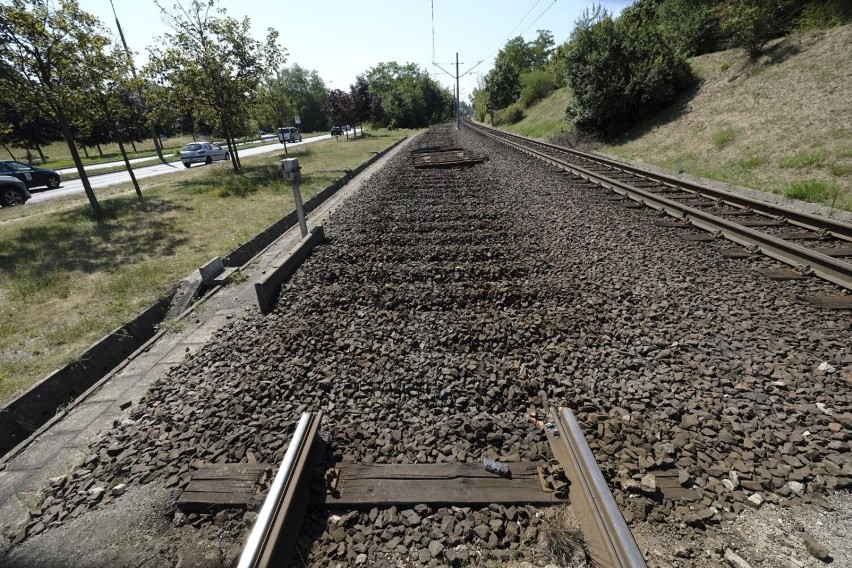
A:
x: 781, y: 124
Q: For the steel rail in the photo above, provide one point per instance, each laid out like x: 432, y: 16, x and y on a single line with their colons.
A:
x: 274, y: 536
x: 836, y: 228
x: 822, y: 265
x: 609, y: 542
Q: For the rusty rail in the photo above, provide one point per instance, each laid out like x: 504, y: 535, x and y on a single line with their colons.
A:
x: 610, y: 543
x: 274, y: 536
x: 822, y: 265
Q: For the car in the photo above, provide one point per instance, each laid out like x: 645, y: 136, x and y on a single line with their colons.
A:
x: 289, y: 134
x: 30, y: 175
x: 336, y: 130
x: 202, y: 153
x: 12, y: 191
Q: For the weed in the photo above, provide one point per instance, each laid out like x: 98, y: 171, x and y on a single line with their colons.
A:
x: 725, y: 137
x: 748, y: 164
x: 562, y: 537
x: 238, y: 277
x: 838, y: 133
x: 802, y: 160
x: 173, y: 325
x: 724, y: 67
x: 840, y: 170
x: 814, y: 191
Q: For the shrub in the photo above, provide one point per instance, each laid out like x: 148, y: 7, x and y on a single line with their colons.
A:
x: 509, y: 115
x: 621, y: 71
x: 822, y: 14
x: 535, y: 86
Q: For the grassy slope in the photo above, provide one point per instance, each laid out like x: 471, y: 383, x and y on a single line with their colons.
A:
x: 66, y: 280
x: 782, y: 124
x: 545, y: 119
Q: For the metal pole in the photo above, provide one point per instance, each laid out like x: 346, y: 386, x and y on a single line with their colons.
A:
x: 458, y: 93
x: 300, y: 210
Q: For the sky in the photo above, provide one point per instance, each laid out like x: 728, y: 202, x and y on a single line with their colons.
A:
x: 341, y: 39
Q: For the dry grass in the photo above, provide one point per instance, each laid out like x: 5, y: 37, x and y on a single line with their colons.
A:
x: 561, y: 537
x: 779, y: 124
x: 66, y: 280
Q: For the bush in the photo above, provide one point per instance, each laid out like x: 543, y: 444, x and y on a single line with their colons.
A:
x: 535, y: 86
x: 621, y: 71
x: 509, y: 115
x: 825, y: 14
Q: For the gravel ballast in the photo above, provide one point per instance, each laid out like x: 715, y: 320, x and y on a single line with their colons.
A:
x: 446, y: 304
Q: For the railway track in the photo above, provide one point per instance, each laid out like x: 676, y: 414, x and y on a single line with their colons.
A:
x: 609, y: 542
x: 445, y: 304
x: 808, y: 243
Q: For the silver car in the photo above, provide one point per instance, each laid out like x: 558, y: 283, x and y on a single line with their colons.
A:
x: 12, y: 191
x: 202, y: 153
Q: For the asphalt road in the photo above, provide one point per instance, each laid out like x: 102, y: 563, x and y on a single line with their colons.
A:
x: 105, y: 180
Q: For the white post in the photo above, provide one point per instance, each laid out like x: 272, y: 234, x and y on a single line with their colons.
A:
x: 293, y: 172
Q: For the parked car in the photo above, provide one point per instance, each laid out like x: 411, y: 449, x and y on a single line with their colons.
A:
x: 12, y: 191
x: 336, y: 130
x: 289, y: 134
x: 31, y: 176
x: 202, y: 153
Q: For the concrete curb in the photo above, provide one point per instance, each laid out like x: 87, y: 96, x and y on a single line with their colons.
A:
x: 267, y: 287
x: 33, y: 411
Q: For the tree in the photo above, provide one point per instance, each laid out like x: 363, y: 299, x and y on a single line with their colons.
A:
x: 339, y: 107
x: 211, y: 61
x: 53, y: 49
x: 620, y: 71
x: 24, y: 125
x: 362, y: 100
x: 409, y: 97
x: 752, y: 23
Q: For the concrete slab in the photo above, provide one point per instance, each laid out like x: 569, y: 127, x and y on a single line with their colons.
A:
x: 82, y: 415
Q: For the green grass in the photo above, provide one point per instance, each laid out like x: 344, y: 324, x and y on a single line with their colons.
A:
x: 802, y: 160
x: 66, y: 280
x: 724, y: 137
x: 546, y: 119
x: 814, y: 191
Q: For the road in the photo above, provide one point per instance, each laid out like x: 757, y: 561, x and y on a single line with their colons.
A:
x: 105, y: 165
x: 105, y: 180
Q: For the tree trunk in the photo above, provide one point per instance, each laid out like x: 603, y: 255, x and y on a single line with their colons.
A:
x: 157, y: 146
x: 75, y: 155
x: 8, y: 151
x: 132, y: 143
x: 41, y: 154
x: 100, y: 153
x: 232, y: 145
x: 130, y: 171
x: 86, y: 152
x: 193, y: 136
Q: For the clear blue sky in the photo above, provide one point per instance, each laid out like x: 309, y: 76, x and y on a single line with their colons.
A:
x: 343, y: 38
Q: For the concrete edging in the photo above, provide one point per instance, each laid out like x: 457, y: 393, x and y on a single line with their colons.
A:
x: 267, y: 287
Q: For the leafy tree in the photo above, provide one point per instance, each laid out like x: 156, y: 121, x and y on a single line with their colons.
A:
x: 54, y: 49
x: 362, y: 100
x: 212, y: 62
x: 502, y: 86
x: 535, y: 86
x: 409, y: 97
x: 24, y: 125
x: 620, y: 71
x: 690, y: 27
x: 339, y: 107
x: 751, y: 24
